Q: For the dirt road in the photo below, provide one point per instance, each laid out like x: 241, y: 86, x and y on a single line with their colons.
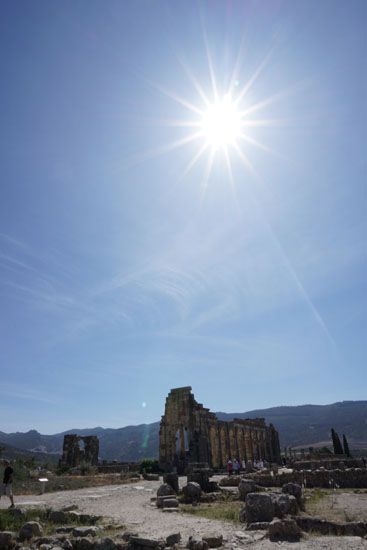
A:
x: 131, y: 506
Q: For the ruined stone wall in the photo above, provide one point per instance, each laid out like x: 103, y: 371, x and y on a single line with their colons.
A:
x: 78, y: 450
x: 328, y: 464
x: 352, y: 478
x: 190, y: 433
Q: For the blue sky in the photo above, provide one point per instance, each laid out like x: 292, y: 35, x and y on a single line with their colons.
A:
x: 126, y: 268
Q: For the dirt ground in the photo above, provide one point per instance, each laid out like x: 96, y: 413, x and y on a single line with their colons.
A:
x: 131, y: 506
x: 340, y: 506
x: 67, y: 482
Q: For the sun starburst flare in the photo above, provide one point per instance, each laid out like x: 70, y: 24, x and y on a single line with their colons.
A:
x: 220, y: 123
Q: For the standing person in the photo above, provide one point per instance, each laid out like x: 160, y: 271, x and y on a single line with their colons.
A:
x: 236, y: 467
x: 230, y: 467
x: 244, y: 465
x: 7, y: 488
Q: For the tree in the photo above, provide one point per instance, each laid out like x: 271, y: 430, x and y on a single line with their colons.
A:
x: 346, y: 446
x: 338, y: 449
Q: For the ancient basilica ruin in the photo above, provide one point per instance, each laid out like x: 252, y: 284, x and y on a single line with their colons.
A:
x: 190, y: 433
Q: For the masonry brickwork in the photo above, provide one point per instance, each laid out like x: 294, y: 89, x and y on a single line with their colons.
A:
x: 78, y: 450
x: 190, y: 433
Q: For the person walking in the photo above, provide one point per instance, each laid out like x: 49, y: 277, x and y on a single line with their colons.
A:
x: 229, y: 467
x: 7, y: 487
x: 236, y: 467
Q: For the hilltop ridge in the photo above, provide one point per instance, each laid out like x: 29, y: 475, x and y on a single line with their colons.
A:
x: 301, y: 425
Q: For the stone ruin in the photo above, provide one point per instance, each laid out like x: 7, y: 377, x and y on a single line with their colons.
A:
x: 80, y: 449
x: 190, y: 433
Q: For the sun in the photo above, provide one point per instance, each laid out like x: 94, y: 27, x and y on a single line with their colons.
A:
x: 221, y: 123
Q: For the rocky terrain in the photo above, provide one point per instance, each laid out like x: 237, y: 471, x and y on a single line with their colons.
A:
x: 132, y: 515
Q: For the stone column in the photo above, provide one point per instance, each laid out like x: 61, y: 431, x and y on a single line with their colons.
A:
x: 240, y: 444
x: 232, y: 443
x: 243, y: 448
x: 214, y: 446
x: 248, y: 445
x: 224, y: 446
x: 258, y: 444
x: 255, y: 448
x: 182, y: 442
x: 263, y: 446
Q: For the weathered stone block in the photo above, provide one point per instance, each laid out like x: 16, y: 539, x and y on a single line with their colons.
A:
x: 86, y: 531
x: 175, y: 538
x: 259, y: 507
x: 200, y: 477
x: 324, y: 527
x: 293, y: 489
x: 162, y: 500
x: 64, y: 529
x: 106, y: 543
x: 245, y: 487
x: 7, y: 540
x: 30, y: 529
x: 191, y: 492
x: 170, y: 503
x: 258, y: 526
x: 172, y: 480
x: 195, y: 544
x: 285, y: 529
x: 214, y: 540
x: 230, y: 481
x: 128, y: 535
x: 83, y: 543
x: 58, y: 516
x: 140, y: 543
x: 165, y: 490
x: 284, y: 504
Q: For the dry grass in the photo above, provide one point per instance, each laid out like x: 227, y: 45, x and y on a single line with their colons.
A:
x: 223, y: 511
x: 13, y: 522
x: 341, y: 506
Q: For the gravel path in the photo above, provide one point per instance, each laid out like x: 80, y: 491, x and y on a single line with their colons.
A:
x: 131, y: 506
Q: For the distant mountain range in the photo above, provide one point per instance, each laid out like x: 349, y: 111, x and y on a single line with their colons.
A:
x: 298, y: 426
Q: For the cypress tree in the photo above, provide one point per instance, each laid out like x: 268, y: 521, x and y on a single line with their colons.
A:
x: 346, y: 446
x: 338, y: 445
x: 338, y: 449
x: 333, y: 439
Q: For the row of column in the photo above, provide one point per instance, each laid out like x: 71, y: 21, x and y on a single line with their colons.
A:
x: 216, y: 444
x: 236, y: 442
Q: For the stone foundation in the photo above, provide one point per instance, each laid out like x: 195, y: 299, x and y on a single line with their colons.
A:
x: 353, y: 478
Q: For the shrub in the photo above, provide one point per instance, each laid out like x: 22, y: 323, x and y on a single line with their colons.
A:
x: 149, y: 466
x: 62, y: 469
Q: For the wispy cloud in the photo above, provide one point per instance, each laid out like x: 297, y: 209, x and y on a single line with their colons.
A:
x: 25, y: 393
x: 211, y: 273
